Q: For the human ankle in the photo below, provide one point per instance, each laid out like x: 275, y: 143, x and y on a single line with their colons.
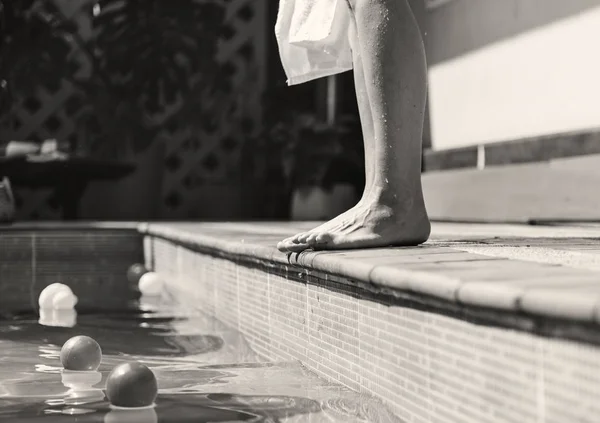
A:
x: 396, y: 194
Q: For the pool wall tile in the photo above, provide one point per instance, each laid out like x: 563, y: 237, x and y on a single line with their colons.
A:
x: 255, y: 310
x: 288, y: 318
x: 93, y: 263
x: 148, y: 252
x: 223, y: 276
x: 426, y: 365
x: 333, y: 332
x: 16, y: 269
x: 571, y: 379
x: 165, y: 257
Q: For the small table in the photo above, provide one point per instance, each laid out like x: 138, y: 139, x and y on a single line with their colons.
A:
x: 68, y: 175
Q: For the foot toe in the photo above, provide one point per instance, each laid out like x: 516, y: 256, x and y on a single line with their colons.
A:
x: 312, y: 239
x: 292, y: 245
x: 297, y: 248
x: 287, y: 243
x: 324, y: 238
x: 303, y: 238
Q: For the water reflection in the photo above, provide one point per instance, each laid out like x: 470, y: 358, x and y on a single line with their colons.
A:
x: 150, y: 302
x: 171, y: 408
x: 131, y: 415
x: 81, y: 387
x: 190, y: 389
x: 155, y: 335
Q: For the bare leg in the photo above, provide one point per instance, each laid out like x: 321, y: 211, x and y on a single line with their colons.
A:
x: 390, y: 52
x: 366, y: 120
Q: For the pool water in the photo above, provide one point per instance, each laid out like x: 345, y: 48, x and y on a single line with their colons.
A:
x: 206, y: 372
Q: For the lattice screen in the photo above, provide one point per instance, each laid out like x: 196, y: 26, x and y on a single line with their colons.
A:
x: 44, y: 116
x: 198, y: 164
x: 195, y: 164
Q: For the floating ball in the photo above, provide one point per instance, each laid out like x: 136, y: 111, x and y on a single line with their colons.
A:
x: 135, y: 272
x: 46, y: 297
x: 81, y: 353
x: 151, y: 283
x: 64, y: 300
x: 131, y: 385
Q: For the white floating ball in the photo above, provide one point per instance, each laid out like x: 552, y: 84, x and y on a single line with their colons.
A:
x: 64, y: 300
x: 151, y: 283
x: 46, y: 297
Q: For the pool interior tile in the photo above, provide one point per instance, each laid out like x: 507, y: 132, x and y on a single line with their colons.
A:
x: 288, y: 318
x: 16, y: 268
x: 254, y: 309
x: 96, y: 261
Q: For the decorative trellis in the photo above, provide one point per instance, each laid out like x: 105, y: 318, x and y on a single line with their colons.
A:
x: 197, y: 161
x: 193, y: 161
x: 44, y: 116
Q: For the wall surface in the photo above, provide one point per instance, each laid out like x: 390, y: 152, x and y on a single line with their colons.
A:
x: 92, y: 262
x: 502, y: 70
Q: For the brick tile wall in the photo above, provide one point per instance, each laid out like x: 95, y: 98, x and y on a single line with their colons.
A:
x: 93, y: 263
x: 255, y: 310
x: 427, y: 366
x: 16, y: 268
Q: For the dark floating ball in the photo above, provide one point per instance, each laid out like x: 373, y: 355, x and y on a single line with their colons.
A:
x: 131, y: 385
x: 81, y: 353
x: 135, y: 272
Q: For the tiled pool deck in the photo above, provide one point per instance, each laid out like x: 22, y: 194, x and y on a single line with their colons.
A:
x: 483, y: 323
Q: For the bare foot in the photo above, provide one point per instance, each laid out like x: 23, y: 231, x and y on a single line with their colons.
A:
x: 302, y: 237
x: 367, y: 225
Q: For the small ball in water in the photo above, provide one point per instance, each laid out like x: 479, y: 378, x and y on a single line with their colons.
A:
x: 131, y: 385
x: 46, y: 297
x: 135, y: 272
x: 64, y: 300
x: 151, y: 283
x: 81, y: 353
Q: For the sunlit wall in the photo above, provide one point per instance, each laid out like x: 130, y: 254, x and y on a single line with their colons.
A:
x: 533, y: 75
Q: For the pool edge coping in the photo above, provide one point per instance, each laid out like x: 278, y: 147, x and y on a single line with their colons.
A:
x: 579, y: 308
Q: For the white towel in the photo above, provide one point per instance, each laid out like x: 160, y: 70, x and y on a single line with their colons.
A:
x: 313, y: 38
